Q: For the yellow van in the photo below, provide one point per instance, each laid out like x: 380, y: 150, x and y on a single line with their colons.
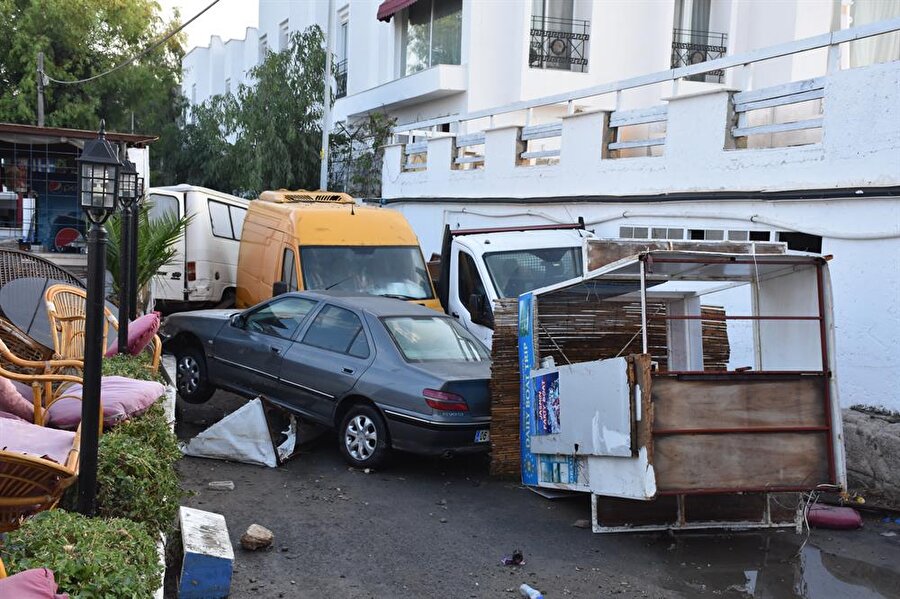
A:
x: 296, y: 240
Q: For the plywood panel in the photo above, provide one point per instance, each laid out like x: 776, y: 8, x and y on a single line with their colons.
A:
x: 604, y: 251
x: 743, y: 402
x: 740, y: 461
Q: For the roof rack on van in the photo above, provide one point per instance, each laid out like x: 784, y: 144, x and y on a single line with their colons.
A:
x: 285, y: 196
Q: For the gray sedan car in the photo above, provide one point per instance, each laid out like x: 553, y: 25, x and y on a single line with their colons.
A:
x: 387, y: 374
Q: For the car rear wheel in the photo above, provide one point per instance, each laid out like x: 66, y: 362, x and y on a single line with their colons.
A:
x: 362, y: 437
x: 190, y: 375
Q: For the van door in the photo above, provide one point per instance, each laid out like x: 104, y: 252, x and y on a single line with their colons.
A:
x: 170, y: 283
x: 467, y: 284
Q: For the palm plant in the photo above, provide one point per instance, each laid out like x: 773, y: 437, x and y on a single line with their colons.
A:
x: 157, y: 239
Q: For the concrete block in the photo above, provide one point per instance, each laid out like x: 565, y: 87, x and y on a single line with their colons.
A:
x: 872, y: 443
x: 208, y: 555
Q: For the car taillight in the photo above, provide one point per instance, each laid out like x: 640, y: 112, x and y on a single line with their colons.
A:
x: 191, y: 269
x: 445, y: 402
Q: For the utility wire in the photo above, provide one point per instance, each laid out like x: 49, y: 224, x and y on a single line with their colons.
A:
x: 136, y: 56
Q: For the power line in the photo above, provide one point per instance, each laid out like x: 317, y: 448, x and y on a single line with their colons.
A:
x: 136, y: 56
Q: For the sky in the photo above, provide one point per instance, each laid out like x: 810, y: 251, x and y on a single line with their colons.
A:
x: 227, y: 19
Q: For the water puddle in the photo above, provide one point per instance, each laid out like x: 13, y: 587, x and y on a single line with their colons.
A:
x: 767, y: 566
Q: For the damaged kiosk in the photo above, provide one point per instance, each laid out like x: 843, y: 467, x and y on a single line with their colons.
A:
x: 619, y: 398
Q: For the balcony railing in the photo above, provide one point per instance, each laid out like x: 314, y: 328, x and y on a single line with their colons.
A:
x: 691, y: 47
x: 559, y: 44
x: 340, y: 79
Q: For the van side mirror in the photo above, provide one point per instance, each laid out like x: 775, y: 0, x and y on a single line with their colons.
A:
x: 479, y: 311
x: 279, y: 288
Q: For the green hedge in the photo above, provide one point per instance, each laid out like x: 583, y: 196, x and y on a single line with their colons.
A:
x: 135, y: 367
x: 91, y: 558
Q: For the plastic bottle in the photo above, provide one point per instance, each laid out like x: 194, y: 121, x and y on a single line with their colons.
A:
x: 527, y: 591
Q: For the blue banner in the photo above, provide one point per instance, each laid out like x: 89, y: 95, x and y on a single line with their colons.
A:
x: 526, y: 392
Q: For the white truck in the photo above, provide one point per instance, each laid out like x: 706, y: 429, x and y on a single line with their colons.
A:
x: 479, y: 266
x: 204, y: 271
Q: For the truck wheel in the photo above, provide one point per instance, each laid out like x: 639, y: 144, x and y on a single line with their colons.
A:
x: 362, y: 437
x: 190, y: 375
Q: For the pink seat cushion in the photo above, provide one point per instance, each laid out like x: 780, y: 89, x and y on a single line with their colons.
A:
x: 121, y: 398
x: 140, y: 333
x: 9, y: 416
x: 12, y: 401
x: 37, y: 583
x: 833, y: 517
x: 34, y: 440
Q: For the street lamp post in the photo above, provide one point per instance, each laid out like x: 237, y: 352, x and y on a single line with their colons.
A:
x: 128, y: 195
x: 98, y: 173
x: 135, y: 231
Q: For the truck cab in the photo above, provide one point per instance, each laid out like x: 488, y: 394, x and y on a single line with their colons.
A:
x: 479, y: 266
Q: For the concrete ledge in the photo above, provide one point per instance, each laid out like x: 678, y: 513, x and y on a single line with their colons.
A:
x: 208, y: 556
x: 872, y: 442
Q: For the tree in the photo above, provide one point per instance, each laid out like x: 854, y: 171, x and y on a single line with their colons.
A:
x: 357, y: 153
x: 80, y: 39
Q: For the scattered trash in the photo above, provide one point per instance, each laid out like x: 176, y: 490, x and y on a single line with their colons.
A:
x: 368, y: 471
x: 889, y: 534
x: 443, y: 520
x: 242, y: 436
x: 837, y: 518
x: 516, y: 559
x: 527, y: 591
x: 221, y: 485
x: 582, y: 524
x: 257, y: 537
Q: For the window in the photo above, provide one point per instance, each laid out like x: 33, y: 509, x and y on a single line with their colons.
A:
x: 380, y: 270
x: 289, y: 270
x: 338, y: 330
x: 518, y: 271
x: 558, y: 40
x: 162, y: 205
x: 193, y: 94
x: 433, y: 339
x: 227, y: 221
x: 263, y: 48
x: 281, y: 317
x: 469, y: 282
x: 801, y: 242
x: 342, y: 38
x: 431, y: 34
x: 228, y: 86
x: 284, y: 37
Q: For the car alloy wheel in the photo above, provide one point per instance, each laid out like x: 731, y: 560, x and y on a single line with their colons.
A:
x: 361, y: 437
x: 188, y: 378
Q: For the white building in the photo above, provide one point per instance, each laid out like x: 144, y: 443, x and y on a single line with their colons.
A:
x: 547, y: 110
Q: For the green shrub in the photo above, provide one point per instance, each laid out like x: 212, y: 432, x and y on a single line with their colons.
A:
x: 91, y: 558
x: 135, y: 367
x: 136, y: 477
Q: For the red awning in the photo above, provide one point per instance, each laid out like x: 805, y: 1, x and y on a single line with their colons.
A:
x: 389, y: 7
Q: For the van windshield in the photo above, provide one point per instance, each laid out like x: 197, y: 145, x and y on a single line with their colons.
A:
x: 380, y: 270
x: 518, y: 271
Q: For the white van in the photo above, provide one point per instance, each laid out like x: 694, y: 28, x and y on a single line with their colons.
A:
x: 204, y: 271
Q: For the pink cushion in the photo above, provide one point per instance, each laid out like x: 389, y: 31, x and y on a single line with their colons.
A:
x: 9, y: 416
x: 140, y: 333
x: 121, y: 398
x: 37, y: 583
x: 12, y: 401
x: 39, y: 441
x: 833, y: 517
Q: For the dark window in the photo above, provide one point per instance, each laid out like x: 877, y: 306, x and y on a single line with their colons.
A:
x: 280, y: 318
x: 759, y: 236
x: 469, y: 279
x: 697, y: 234
x: 801, y: 242
x: 226, y: 221
x: 289, y: 270
x: 337, y: 330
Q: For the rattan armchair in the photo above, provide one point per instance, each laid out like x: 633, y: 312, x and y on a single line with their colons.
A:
x: 66, y: 312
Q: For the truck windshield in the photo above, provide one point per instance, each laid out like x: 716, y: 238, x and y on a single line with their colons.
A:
x: 433, y: 339
x: 518, y: 271
x: 380, y: 270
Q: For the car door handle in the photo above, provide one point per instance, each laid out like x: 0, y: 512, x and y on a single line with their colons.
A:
x: 346, y: 370
x: 454, y: 315
x: 275, y: 350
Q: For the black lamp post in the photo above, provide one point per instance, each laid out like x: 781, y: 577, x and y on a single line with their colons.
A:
x: 128, y: 195
x: 135, y: 226
x: 98, y: 174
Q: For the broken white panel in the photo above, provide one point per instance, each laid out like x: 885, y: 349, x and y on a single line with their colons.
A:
x: 595, y: 411
x: 242, y: 436
x: 632, y: 478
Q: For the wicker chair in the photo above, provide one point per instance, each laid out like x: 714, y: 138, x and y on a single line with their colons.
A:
x: 22, y: 346
x: 66, y: 311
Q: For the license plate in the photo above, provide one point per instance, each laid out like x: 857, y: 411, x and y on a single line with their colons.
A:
x: 482, y: 436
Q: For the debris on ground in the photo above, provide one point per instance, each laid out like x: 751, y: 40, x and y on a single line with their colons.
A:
x: 221, y: 485
x: 257, y: 537
x: 531, y: 593
x: 582, y: 524
x: 833, y: 517
x: 242, y: 436
x: 516, y: 559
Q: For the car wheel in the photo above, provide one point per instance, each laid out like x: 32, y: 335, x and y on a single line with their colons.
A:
x: 362, y: 437
x: 190, y: 375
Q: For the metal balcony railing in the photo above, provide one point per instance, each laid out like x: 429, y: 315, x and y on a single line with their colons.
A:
x: 340, y: 79
x: 559, y: 44
x: 690, y: 47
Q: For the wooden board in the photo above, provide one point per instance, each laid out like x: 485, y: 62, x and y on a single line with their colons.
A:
x: 743, y: 402
x: 606, y: 251
x: 740, y: 461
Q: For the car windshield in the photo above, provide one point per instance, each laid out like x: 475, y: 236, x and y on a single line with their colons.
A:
x: 380, y: 270
x: 518, y: 271
x: 433, y: 339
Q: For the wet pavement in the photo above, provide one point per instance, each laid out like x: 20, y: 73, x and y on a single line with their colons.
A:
x: 439, y: 528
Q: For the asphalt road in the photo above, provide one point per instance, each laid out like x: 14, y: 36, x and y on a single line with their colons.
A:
x: 439, y: 528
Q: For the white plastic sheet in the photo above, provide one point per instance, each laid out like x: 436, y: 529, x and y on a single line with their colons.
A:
x: 242, y: 436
